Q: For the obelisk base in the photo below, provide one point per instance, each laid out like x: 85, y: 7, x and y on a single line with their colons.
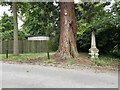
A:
x: 93, y: 52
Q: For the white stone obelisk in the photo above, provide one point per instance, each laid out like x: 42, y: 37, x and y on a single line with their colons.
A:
x: 93, y: 51
x: 93, y: 41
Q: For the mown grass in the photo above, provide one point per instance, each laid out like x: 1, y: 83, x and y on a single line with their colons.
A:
x: 23, y: 56
x: 49, y: 61
x: 70, y: 62
x: 103, y: 60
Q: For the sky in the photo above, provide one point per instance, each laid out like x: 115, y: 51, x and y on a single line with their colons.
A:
x: 2, y: 9
x: 6, y: 8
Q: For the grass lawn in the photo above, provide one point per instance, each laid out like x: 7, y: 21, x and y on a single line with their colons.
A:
x: 106, y: 61
x: 25, y: 56
x: 103, y: 60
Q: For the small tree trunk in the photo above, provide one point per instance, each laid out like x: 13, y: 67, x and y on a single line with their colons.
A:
x: 67, y: 42
x: 15, y: 46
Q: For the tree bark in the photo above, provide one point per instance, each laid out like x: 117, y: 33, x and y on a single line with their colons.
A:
x: 15, y: 46
x: 67, y: 42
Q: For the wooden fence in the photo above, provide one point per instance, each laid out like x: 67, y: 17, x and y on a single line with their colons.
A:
x: 25, y: 46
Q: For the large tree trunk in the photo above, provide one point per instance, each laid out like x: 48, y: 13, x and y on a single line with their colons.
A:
x: 15, y: 46
x: 67, y: 42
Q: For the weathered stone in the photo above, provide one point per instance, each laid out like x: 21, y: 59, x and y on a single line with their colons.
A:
x: 93, y: 51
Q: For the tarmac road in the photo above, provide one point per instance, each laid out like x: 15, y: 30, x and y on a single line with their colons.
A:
x: 34, y: 76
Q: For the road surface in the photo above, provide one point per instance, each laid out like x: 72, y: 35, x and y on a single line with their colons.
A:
x: 34, y: 76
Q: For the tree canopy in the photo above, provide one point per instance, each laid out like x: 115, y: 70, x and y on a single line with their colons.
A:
x: 43, y: 19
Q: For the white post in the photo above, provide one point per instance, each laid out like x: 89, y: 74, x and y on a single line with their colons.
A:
x: 93, y: 51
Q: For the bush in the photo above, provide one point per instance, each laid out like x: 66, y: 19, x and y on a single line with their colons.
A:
x: 8, y: 35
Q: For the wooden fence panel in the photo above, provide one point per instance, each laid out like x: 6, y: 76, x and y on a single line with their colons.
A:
x: 25, y: 46
x: 0, y: 46
x: 20, y: 46
x: 10, y: 46
x: 4, y: 46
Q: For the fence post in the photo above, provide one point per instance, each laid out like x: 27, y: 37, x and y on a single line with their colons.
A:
x: 7, y: 49
x: 48, y: 54
x: 6, y: 53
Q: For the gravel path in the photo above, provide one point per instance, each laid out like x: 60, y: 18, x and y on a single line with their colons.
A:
x: 35, y: 76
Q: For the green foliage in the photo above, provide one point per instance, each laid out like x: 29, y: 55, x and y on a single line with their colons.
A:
x: 48, y: 45
x: 41, y: 18
x: 105, y: 60
x: 50, y: 61
x: 6, y: 23
x: 54, y: 42
x: 98, y: 62
x: 105, y: 23
x: 8, y: 35
x: 82, y: 27
x: 22, y: 34
x: 22, y: 57
x: 70, y: 61
x: 7, y: 26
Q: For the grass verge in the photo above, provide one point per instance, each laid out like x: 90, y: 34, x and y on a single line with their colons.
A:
x: 103, y: 60
x: 22, y: 57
